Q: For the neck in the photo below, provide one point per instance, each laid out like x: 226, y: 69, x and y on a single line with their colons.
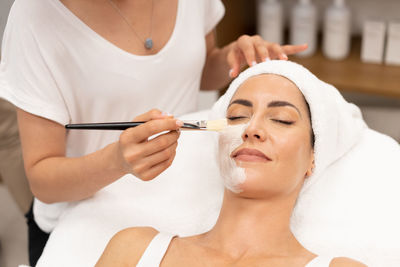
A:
x: 250, y: 227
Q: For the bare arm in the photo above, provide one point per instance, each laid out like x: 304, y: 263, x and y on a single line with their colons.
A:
x: 346, y: 262
x: 55, y: 178
x: 223, y: 64
x: 216, y: 69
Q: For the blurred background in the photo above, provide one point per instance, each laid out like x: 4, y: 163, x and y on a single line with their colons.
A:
x: 373, y: 86
x: 361, y: 57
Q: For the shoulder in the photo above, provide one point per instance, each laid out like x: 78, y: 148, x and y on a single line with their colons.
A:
x: 127, y: 246
x: 345, y: 262
x: 137, y: 233
x: 27, y: 18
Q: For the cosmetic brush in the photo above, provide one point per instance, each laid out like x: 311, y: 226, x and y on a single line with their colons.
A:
x: 211, y: 125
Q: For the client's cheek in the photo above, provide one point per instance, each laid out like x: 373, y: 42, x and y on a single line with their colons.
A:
x: 229, y: 140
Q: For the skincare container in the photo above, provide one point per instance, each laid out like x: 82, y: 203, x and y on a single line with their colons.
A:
x: 392, y: 56
x: 336, y: 33
x: 303, y: 26
x: 270, y: 20
x: 373, y: 41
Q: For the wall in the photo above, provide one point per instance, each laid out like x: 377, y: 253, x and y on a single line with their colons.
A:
x: 4, y: 10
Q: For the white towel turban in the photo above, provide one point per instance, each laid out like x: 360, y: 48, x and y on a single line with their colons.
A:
x: 337, y: 124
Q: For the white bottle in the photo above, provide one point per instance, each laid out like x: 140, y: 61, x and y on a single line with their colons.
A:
x: 270, y: 21
x: 303, y: 28
x: 336, y: 39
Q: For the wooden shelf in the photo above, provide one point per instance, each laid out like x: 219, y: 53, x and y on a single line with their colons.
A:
x: 348, y: 75
x: 353, y: 75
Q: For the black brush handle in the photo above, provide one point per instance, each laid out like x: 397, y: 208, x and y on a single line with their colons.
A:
x: 115, y: 126
x: 104, y: 125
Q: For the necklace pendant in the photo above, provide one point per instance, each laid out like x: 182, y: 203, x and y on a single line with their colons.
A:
x: 148, y: 43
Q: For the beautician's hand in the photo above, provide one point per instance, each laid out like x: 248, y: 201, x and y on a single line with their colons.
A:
x: 249, y: 50
x: 144, y: 158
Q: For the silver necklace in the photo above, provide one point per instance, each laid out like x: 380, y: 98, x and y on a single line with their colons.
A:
x: 148, y: 42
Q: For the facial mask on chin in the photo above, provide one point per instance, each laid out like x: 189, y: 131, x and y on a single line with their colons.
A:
x: 229, y: 139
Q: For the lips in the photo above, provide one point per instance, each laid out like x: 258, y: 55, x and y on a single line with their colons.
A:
x: 250, y: 154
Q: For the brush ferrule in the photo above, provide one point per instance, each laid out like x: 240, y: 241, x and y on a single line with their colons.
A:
x: 200, y: 124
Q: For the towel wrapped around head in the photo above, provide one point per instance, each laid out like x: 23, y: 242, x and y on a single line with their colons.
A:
x: 337, y: 124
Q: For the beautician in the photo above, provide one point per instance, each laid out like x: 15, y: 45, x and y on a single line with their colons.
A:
x: 74, y: 61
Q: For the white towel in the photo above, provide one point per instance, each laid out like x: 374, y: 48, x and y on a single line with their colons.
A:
x: 337, y: 124
x: 353, y: 210
x: 328, y: 218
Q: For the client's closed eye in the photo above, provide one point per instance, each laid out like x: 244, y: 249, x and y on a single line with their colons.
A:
x: 233, y: 118
x: 283, y: 121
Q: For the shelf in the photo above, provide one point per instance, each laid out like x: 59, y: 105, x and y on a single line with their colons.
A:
x: 348, y: 75
x: 353, y: 75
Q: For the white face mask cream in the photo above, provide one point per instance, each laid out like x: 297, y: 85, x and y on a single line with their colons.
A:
x: 229, y: 139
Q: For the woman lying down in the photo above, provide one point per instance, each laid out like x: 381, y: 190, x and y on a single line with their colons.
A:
x: 267, y: 156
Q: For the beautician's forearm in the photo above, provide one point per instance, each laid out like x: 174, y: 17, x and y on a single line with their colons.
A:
x: 57, y: 179
x: 216, y: 69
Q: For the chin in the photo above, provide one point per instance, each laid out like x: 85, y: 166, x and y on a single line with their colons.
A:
x: 257, y: 175
x: 258, y: 184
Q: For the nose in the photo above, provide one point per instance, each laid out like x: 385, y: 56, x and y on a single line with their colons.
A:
x: 255, y: 131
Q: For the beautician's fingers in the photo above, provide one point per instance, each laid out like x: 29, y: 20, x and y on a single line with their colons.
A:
x: 133, y: 145
x: 160, y: 143
x: 157, y: 169
x: 276, y: 51
x: 133, y: 153
x: 249, y: 50
x: 293, y: 49
x: 142, y: 132
x: 145, y: 164
x: 234, y: 58
x: 262, y: 50
x: 153, y: 114
x: 245, y: 45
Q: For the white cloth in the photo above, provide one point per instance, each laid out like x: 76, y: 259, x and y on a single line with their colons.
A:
x: 58, y: 68
x: 155, y: 252
x: 352, y: 210
x: 337, y: 124
x: 336, y: 216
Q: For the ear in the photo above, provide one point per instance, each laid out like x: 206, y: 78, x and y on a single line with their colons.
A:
x: 310, y: 169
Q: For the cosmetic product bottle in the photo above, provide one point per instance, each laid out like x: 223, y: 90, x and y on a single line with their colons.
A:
x: 303, y: 26
x: 270, y: 20
x: 336, y: 34
x: 392, y: 56
x: 373, y: 41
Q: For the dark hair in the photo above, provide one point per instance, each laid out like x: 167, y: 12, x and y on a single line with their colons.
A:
x: 312, y: 136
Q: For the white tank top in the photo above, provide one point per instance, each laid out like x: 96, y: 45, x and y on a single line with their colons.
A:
x: 157, y: 248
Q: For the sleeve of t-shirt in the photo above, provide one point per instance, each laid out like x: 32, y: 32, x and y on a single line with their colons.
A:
x: 214, y: 12
x: 27, y: 79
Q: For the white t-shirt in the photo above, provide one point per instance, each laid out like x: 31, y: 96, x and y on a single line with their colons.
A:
x: 58, y: 68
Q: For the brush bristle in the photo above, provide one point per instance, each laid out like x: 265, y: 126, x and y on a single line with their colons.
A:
x: 217, y: 125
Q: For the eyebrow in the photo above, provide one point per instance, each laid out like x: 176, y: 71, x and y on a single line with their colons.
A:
x: 282, y: 104
x: 243, y: 102
x: 272, y: 104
